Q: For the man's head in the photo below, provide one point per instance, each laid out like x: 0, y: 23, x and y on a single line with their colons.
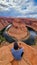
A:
x: 16, y: 46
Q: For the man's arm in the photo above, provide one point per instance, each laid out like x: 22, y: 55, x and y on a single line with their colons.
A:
x: 22, y: 54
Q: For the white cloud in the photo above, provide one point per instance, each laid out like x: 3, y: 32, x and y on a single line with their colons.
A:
x: 25, y: 7
x: 29, y: 16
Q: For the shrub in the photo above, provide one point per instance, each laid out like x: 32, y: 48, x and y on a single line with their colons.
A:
x: 2, y: 39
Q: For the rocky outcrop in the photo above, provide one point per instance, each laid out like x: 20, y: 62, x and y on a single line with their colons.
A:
x: 3, y: 23
x: 31, y: 22
x: 18, y: 31
x: 29, y: 57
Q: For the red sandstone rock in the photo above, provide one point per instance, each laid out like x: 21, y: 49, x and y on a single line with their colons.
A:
x: 27, y: 21
x: 3, y: 23
x: 5, y: 54
x: 29, y: 57
x: 4, y: 63
x: 18, y: 30
x: 1, y: 26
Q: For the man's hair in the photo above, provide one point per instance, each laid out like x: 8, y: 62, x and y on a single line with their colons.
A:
x: 16, y: 45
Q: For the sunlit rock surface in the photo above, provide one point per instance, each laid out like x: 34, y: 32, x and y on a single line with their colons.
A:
x: 30, y: 53
x: 29, y: 57
x: 31, y: 22
x: 3, y: 23
x: 18, y: 30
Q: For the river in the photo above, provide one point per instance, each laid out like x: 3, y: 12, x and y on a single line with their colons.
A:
x: 31, y: 39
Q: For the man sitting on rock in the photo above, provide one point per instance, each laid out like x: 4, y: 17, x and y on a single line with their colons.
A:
x: 17, y: 51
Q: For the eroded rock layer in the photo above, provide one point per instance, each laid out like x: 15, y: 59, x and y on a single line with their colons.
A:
x: 31, y: 22
x: 18, y: 30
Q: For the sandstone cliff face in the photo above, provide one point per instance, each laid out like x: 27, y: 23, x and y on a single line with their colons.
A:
x: 29, y: 57
x: 31, y: 22
x: 3, y: 23
x: 18, y: 30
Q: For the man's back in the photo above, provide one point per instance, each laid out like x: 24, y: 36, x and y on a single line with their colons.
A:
x: 17, y: 53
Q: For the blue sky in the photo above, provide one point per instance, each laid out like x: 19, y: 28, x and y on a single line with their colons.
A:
x: 35, y: 1
x: 18, y: 8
